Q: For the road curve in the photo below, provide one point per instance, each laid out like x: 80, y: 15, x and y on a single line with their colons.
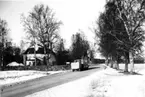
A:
x: 39, y: 84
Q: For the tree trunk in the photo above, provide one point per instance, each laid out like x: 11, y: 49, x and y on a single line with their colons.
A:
x: 126, y: 59
x: 126, y: 65
x: 35, y: 55
x: 106, y: 61
x: 111, y: 62
x: 46, y: 56
x: 0, y: 62
x: 131, y: 57
x: 24, y: 60
x: 116, y: 64
x: 2, y: 58
x: 35, y: 50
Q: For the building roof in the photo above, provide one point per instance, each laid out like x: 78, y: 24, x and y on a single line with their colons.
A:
x: 29, y: 51
x: 39, y: 51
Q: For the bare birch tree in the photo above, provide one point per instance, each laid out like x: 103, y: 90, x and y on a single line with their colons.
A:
x: 129, y: 34
x: 42, y: 27
x: 132, y: 14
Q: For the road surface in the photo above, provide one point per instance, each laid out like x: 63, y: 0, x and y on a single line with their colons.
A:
x: 39, y: 84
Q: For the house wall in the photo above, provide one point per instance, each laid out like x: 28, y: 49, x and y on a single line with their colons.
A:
x: 31, y: 57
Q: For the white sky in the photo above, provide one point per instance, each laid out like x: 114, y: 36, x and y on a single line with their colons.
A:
x: 75, y: 14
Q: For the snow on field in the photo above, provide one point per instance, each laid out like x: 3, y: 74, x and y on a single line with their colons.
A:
x: 10, y: 77
x: 130, y: 85
x: 105, y: 83
x: 138, y: 67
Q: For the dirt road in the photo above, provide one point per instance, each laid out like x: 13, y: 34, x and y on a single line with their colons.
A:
x: 29, y: 87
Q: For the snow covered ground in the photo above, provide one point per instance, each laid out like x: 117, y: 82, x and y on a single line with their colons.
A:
x: 10, y: 77
x: 105, y: 83
x: 77, y: 88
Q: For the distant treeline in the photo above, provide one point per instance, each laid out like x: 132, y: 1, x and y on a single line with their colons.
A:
x: 96, y: 61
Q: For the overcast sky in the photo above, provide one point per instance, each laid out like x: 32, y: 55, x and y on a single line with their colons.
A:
x: 75, y: 14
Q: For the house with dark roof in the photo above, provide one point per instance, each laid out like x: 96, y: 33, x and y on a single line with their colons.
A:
x: 29, y: 56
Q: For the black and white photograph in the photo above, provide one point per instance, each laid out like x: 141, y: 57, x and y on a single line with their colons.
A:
x: 72, y: 48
